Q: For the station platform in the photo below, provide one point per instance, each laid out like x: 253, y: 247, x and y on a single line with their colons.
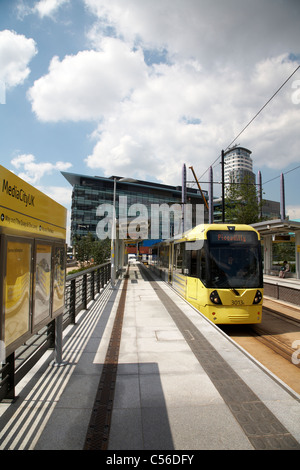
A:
x: 180, y: 384
x: 290, y: 282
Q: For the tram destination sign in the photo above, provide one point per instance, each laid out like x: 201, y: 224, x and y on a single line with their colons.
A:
x: 223, y: 237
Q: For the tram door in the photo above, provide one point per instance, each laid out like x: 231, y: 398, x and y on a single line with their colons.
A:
x: 171, y: 259
x: 193, y: 279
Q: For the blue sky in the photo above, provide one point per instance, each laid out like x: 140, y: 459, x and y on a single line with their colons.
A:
x: 139, y: 87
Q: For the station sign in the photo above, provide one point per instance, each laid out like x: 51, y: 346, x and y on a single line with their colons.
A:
x: 25, y: 208
x: 32, y: 268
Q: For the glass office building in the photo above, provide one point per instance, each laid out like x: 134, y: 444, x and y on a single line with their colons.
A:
x: 90, y: 192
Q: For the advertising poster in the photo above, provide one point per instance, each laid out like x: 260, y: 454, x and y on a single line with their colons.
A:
x: 17, y: 290
x: 59, y: 279
x: 42, y: 284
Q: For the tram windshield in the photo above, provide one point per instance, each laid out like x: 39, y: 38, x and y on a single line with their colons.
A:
x: 234, y: 259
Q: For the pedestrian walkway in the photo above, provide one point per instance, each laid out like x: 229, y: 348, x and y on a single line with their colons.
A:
x: 181, y: 383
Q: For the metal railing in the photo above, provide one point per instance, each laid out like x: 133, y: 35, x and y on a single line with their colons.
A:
x: 80, y: 290
x: 280, y: 292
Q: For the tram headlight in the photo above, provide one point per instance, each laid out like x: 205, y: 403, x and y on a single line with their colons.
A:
x: 215, y: 298
x: 257, y: 298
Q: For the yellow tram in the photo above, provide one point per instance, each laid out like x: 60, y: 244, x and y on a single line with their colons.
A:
x: 218, y: 269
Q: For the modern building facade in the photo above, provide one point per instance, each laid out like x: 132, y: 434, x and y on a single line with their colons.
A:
x: 270, y: 210
x: 131, y: 197
x: 237, y: 164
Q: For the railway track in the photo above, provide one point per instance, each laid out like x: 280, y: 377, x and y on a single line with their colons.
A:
x: 279, y: 340
x: 274, y: 343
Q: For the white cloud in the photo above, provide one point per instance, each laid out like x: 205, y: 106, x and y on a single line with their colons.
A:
x: 16, y: 51
x: 60, y: 194
x: 223, y: 61
x: 87, y: 85
x: 33, y: 172
x: 293, y: 212
x: 150, y: 134
x: 48, y: 7
x: 213, y: 32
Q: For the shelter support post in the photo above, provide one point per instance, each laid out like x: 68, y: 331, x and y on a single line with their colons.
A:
x: 267, y: 254
x: 297, y: 253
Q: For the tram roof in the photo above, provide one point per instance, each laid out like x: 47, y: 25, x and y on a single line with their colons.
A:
x: 198, y: 231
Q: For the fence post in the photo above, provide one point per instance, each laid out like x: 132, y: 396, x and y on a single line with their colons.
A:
x: 84, y: 291
x: 93, y: 285
x: 73, y: 301
x: 58, y: 342
x: 107, y: 277
x: 101, y: 278
x: 10, y: 372
x: 98, y: 280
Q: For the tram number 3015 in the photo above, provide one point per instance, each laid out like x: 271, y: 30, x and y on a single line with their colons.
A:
x: 237, y: 302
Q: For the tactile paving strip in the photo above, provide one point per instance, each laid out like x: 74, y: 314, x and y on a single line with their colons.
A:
x: 98, y: 430
x: 260, y: 425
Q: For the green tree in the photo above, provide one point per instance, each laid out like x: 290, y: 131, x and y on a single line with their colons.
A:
x: 83, y: 248
x: 241, y: 202
x: 101, y: 250
x: 88, y: 248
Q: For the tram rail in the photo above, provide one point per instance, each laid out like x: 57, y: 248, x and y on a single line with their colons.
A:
x: 275, y: 339
x: 272, y: 343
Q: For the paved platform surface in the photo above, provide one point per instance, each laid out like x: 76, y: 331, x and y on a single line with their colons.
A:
x: 290, y: 282
x: 181, y: 383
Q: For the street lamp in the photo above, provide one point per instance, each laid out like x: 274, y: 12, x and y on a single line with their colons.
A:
x: 114, y: 229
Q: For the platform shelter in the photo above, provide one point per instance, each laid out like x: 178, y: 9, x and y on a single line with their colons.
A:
x: 269, y: 230
x: 32, y: 269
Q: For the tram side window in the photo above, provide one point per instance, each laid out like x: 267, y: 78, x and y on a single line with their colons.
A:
x: 179, y: 258
x: 164, y: 257
x: 194, y: 270
x: 203, y: 270
x: 196, y: 262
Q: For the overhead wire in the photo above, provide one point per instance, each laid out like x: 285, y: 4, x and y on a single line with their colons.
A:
x: 256, y: 115
x: 285, y: 173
